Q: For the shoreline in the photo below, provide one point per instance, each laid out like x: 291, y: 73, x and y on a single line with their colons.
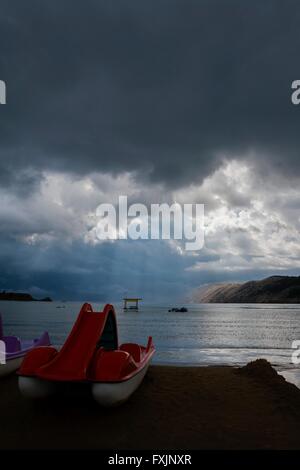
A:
x: 213, y: 407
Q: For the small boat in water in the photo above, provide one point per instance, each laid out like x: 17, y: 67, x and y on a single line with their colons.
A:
x: 13, y: 350
x: 182, y: 309
x: 91, y: 354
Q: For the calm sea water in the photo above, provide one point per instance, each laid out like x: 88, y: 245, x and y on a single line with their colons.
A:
x: 208, y: 334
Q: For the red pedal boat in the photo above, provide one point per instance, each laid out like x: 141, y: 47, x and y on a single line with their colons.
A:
x: 90, y: 354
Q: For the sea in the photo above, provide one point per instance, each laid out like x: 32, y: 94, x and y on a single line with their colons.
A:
x: 208, y: 334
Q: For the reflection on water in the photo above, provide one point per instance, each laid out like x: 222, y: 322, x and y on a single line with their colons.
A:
x: 206, y: 334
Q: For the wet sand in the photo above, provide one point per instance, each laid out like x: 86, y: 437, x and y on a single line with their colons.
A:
x: 175, y: 408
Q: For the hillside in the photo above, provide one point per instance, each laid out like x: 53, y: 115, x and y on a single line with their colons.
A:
x: 274, y: 289
x: 20, y: 296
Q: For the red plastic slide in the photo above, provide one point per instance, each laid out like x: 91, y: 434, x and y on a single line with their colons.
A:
x: 72, y: 361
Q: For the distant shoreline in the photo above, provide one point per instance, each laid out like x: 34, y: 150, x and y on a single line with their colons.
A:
x: 21, y: 297
x: 272, y: 290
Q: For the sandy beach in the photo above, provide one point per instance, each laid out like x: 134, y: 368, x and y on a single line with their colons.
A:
x: 175, y: 408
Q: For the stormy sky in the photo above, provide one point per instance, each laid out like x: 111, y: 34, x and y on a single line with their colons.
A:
x: 186, y: 101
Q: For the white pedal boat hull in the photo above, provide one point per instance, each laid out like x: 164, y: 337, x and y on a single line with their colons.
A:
x: 116, y: 393
x: 106, y: 394
x: 10, y: 366
x: 32, y: 387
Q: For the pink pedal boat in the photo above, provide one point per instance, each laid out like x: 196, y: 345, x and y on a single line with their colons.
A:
x: 13, y: 350
x: 91, y: 354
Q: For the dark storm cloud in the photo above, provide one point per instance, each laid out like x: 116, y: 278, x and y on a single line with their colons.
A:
x: 104, y: 272
x: 163, y: 87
